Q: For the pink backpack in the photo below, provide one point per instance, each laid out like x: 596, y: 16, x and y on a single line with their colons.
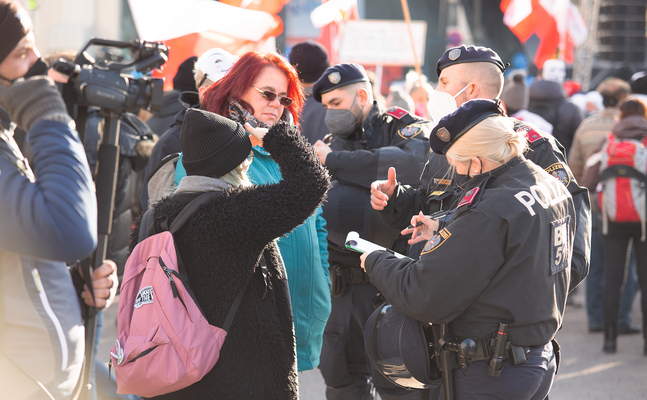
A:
x: 164, y: 343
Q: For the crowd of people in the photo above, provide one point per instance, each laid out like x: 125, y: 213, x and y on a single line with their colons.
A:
x: 302, y: 152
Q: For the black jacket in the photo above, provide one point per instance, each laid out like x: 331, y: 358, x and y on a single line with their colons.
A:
x: 221, y: 246
x: 161, y: 121
x: 548, y: 99
x: 312, y: 119
x: 169, y: 141
x: 441, y: 191
x: 393, y: 138
x: 504, y: 257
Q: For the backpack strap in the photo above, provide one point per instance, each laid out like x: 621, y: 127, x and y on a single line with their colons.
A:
x: 146, y: 226
x: 190, y: 208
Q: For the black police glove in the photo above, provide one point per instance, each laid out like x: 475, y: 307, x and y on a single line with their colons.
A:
x: 32, y: 100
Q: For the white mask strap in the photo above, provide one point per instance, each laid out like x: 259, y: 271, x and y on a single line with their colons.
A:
x: 461, y: 91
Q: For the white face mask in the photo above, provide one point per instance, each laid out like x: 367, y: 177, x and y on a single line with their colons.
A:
x: 441, y: 104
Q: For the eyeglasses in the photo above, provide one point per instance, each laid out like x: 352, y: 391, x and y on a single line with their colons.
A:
x: 270, y: 96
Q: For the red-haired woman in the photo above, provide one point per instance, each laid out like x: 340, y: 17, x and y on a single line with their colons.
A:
x: 261, y: 89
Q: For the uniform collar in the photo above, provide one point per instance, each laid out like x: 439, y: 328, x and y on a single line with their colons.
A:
x: 482, y: 179
x: 363, y: 132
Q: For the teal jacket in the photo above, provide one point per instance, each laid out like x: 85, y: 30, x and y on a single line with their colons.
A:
x: 305, y: 254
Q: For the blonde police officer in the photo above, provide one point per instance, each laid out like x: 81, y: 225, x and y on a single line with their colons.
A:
x: 504, y: 257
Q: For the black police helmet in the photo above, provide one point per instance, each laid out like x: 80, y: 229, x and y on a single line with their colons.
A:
x: 398, y: 347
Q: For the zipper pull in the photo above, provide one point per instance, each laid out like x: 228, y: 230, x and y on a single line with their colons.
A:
x: 169, y: 274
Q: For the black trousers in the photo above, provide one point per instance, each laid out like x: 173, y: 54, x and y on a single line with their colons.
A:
x: 616, y: 251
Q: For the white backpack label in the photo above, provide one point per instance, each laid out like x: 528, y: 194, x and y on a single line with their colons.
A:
x: 145, y: 296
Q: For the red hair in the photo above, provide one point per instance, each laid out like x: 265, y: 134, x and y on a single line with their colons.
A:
x: 241, y: 77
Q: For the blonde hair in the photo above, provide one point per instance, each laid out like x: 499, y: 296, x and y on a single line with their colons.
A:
x: 237, y: 177
x: 494, y: 139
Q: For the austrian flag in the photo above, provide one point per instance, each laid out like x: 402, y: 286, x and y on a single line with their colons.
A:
x: 557, y: 23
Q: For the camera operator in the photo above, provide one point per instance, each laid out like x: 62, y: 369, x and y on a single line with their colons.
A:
x: 48, y: 216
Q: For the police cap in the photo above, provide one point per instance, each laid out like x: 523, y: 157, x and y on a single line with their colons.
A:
x: 469, y: 54
x: 453, y: 126
x: 337, y: 76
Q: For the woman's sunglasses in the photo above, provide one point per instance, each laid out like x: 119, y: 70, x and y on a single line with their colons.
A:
x: 270, y: 96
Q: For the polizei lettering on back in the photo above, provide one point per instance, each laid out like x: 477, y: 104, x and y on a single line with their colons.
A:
x: 547, y: 193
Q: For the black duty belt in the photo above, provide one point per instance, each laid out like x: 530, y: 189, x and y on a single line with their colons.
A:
x: 469, y: 351
x: 341, y: 277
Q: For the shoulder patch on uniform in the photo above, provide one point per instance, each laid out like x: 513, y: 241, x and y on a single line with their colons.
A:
x: 410, y: 131
x: 531, y: 134
x: 469, y: 197
x: 396, y: 112
x: 558, y: 171
x: 436, y: 241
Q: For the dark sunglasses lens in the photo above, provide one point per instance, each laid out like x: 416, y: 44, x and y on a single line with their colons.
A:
x: 269, y: 96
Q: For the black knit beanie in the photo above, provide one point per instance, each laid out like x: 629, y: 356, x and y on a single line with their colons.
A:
x: 15, y: 24
x: 184, y: 79
x: 212, y: 145
x: 310, y: 60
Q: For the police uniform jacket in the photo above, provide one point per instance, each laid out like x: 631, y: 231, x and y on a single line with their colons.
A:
x: 504, y: 257
x: 440, y: 191
x: 393, y: 138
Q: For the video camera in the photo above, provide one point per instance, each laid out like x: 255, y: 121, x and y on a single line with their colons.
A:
x: 105, y: 84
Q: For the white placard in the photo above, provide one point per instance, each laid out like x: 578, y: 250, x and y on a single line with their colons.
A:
x: 382, y: 42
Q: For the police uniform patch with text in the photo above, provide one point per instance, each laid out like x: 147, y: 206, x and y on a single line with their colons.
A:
x: 442, y: 181
x: 436, y: 241
x: 145, y: 296
x: 410, y: 131
x: 559, y: 245
x: 469, y: 197
x: 558, y: 171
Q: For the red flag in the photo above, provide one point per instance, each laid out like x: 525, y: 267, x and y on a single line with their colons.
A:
x: 330, y: 34
x: 191, y: 27
x: 528, y: 17
x: 557, y: 23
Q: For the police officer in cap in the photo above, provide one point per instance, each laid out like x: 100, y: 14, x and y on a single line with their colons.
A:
x: 364, y: 142
x: 473, y: 72
x: 498, y: 272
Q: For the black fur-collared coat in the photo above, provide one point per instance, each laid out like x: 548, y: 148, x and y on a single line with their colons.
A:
x: 220, y: 248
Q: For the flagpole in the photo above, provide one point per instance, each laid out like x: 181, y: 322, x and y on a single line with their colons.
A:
x: 416, y: 63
